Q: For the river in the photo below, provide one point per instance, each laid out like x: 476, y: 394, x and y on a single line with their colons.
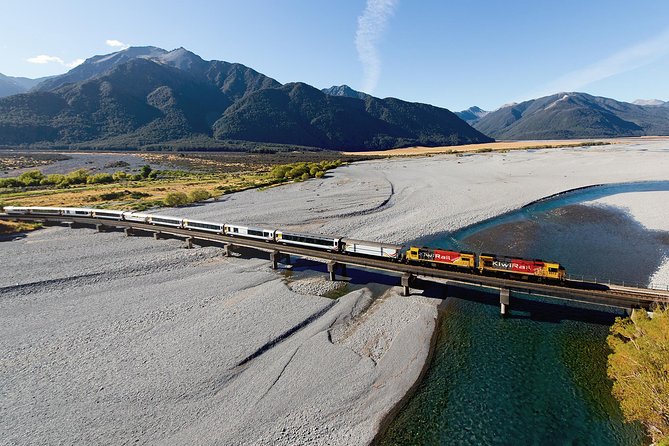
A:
x: 537, y: 376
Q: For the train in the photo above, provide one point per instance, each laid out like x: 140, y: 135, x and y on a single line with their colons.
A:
x: 464, y: 261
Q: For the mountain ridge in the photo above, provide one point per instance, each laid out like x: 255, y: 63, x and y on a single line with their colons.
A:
x: 147, y: 96
x: 574, y: 115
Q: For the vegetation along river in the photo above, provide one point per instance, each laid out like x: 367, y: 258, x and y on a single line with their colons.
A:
x: 537, y: 376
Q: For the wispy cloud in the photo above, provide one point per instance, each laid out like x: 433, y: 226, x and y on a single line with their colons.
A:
x: 371, y: 25
x: 116, y: 44
x: 43, y: 59
x: 627, y: 59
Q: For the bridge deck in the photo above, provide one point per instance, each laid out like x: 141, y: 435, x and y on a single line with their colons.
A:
x: 575, y: 291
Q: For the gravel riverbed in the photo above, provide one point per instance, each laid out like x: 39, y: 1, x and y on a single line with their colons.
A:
x: 112, y: 340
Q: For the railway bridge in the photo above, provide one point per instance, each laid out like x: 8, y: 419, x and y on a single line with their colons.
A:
x: 618, y: 297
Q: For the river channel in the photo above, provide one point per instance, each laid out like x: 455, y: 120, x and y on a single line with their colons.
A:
x: 537, y: 376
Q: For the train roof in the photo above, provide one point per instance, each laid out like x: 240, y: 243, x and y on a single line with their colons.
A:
x: 369, y: 243
x: 305, y: 234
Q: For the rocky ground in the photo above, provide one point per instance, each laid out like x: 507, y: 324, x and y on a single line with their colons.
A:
x: 107, y: 339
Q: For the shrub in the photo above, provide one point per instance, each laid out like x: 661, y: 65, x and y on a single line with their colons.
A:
x: 119, y: 176
x: 320, y: 174
x: 279, y: 172
x: 305, y: 176
x: 146, y: 171
x: 176, y: 199
x: 639, y: 366
x: 199, y: 195
x: 77, y: 177
x: 32, y: 178
x: 100, y: 178
x: 10, y: 182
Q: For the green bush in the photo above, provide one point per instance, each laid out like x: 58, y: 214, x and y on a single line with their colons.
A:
x: 32, y: 178
x: 10, y: 182
x: 146, y: 171
x: 119, y: 176
x: 199, y: 195
x: 100, y: 178
x: 320, y: 174
x: 77, y: 177
x: 176, y: 199
x: 305, y: 176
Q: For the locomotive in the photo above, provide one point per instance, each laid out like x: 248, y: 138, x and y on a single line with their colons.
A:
x: 486, y: 264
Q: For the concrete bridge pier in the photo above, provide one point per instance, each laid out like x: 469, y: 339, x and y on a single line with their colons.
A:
x: 406, y: 283
x: 274, y: 256
x: 127, y: 232
x: 157, y: 235
x: 331, y: 270
x: 503, y: 300
x: 71, y: 224
x: 99, y: 228
x: 227, y: 249
x: 189, y: 242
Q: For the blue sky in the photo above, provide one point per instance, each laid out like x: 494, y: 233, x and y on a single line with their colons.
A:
x: 452, y: 54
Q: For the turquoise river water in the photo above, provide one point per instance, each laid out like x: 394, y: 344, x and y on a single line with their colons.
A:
x: 537, y: 376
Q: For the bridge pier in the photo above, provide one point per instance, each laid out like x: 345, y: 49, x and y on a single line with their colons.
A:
x: 503, y: 300
x: 99, y: 227
x: 189, y: 242
x: 71, y: 224
x: 227, y: 249
x: 274, y: 257
x: 331, y: 269
x: 406, y: 283
x: 127, y: 232
x: 157, y: 235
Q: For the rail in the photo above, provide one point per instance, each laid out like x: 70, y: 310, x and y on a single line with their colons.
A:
x: 571, y: 291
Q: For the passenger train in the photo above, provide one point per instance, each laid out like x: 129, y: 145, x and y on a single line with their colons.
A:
x: 487, y: 264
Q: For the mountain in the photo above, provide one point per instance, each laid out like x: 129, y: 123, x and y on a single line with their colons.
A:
x: 648, y: 102
x: 346, y: 91
x: 149, y: 97
x: 98, y: 65
x: 472, y: 114
x: 574, y: 115
x: 14, y: 85
x: 300, y: 114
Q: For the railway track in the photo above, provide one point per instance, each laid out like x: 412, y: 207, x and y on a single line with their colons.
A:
x: 571, y: 291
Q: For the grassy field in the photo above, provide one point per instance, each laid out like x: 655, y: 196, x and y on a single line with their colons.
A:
x: 195, y: 177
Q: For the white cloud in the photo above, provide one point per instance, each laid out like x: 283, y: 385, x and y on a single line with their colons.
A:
x: 44, y: 59
x: 627, y: 59
x: 116, y: 44
x: 371, y: 25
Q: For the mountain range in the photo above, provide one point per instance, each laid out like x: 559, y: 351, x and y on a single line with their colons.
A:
x: 147, y: 97
x: 575, y: 115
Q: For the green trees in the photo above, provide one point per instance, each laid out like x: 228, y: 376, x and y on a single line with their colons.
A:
x: 639, y: 368
x: 176, y: 199
x: 302, y: 171
x: 181, y: 199
x: 199, y: 195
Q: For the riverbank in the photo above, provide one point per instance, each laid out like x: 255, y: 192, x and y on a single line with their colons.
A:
x: 145, y: 341
x: 645, y: 208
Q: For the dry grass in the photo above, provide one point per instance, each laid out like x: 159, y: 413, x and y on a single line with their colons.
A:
x: 14, y: 227
x: 508, y: 145
x: 145, y: 192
